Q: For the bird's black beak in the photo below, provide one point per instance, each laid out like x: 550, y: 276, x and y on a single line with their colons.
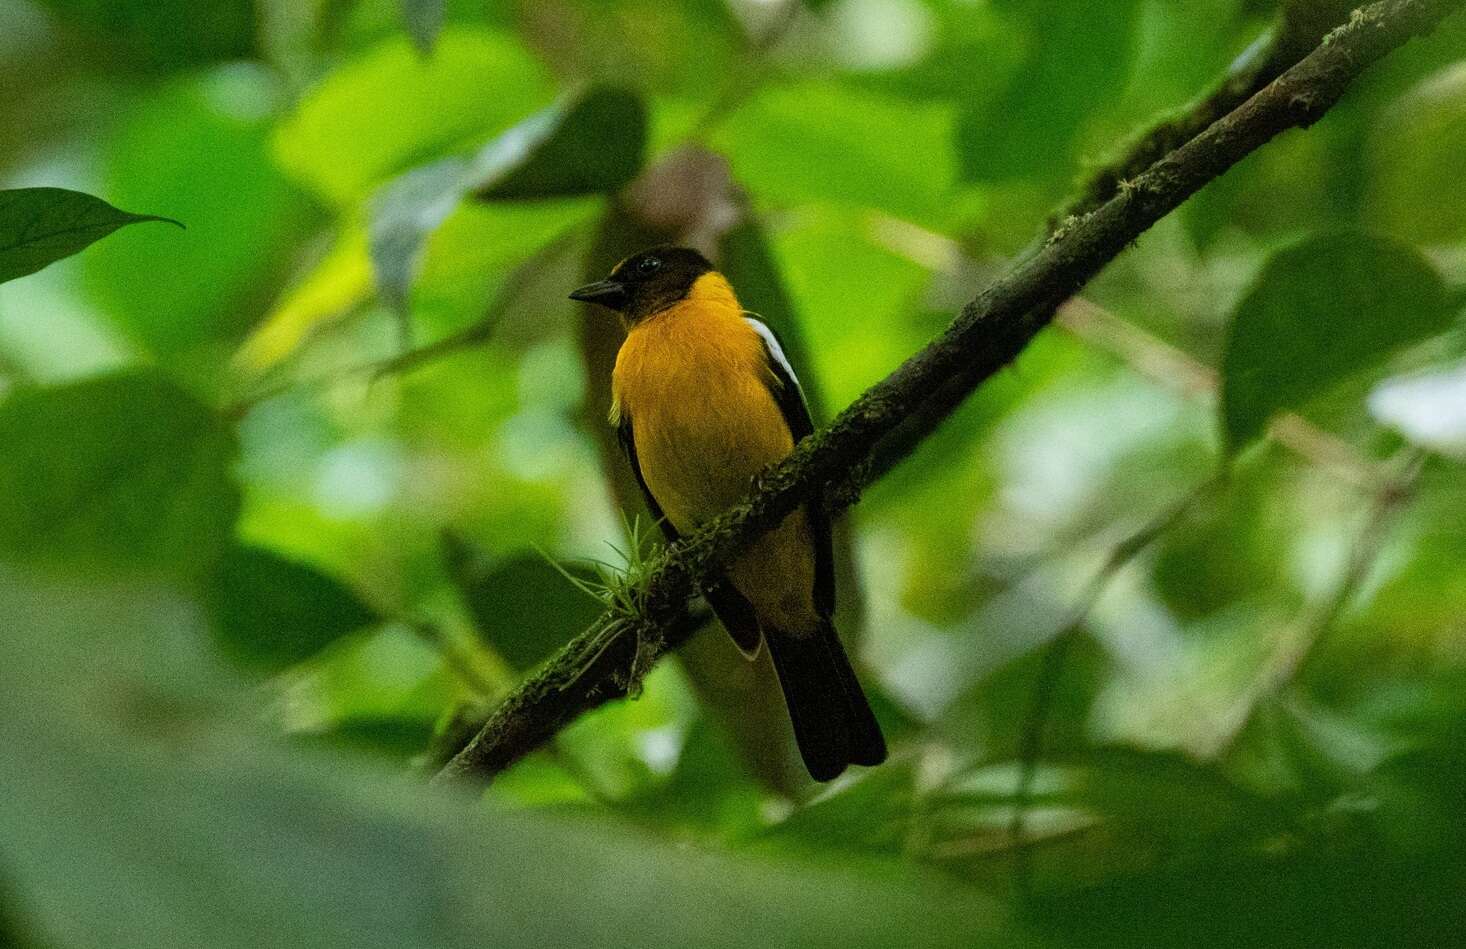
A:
x: 608, y: 293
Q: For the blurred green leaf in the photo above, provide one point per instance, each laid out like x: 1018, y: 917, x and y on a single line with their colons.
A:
x: 871, y: 815
x: 709, y: 792
x: 1421, y: 793
x: 1079, y: 57
x: 340, y: 281
x: 424, y: 19
x: 855, y: 297
x: 1415, y: 157
x: 1166, y: 795
x: 125, y: 472
x: 683, y: 50
x: 1231, y: 546
x: 389, y: 108
x: 404, y: 213
x: 141, y: 813
x: 196, y: 148
x: 591, y: 144
x: 397, y: 738
x: 992, y: 715
x: 1320, y: 312
x: 163, y: 34
x: 1345, y: 893
x: 858, y: 154
x: 39, y: 226
x: 271, y: 612
x: 963, y: 34
x: 522, y: 606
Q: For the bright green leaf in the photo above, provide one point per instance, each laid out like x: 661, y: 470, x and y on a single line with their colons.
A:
x: 125, y: 472
x: 39, y: 226
x: 390, y: 108
x: 859, y: 153
x: 1320, y: 312
x: 196, y: 147
x: 270, y: 612
x: 340, y: 281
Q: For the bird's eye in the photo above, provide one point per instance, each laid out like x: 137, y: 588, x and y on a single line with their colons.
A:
x: 648, y: 265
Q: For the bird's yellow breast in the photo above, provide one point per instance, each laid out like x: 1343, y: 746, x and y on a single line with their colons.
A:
x: 694, y: 381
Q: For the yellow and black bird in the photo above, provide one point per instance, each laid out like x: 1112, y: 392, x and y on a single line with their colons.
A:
x: 703, y: 400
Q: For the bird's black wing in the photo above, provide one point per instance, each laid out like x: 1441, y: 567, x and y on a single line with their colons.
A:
x: 790, y: 398
x: 735, y: 612
x: 627, y: 438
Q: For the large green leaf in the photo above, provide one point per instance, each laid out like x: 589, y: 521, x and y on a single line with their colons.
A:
x: 39, y: 226
x: 390, y: 108
x: 1320, y: 312
x: 859, y: 153
x: 1164, y: 794
x: 163, y: 34
x: 1079, y: 58
x: 1415, y: 161
x: 591, y: 144
x: 270, y: 612
x: 141, y: 810
x: 126, y: 472
x: 523, y: 607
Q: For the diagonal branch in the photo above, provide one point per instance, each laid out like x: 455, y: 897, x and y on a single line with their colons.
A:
x: 1296, y: 32
x: 600, y: 664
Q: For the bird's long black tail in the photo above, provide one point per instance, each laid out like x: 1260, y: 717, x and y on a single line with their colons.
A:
x: 833, y: 723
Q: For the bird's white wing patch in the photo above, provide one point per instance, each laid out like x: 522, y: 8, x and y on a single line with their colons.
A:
x: 776, y: 351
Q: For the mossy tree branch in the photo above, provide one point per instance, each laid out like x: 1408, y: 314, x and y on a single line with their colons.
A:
x: 1299, y: 27
x: 604, y: 661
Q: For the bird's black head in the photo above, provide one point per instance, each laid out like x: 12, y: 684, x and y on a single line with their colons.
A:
x: 648, y: 282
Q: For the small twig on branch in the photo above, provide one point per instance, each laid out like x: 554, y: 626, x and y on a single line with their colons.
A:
x: 986, y: 336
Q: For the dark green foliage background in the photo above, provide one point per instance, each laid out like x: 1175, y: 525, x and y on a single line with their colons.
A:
x: 258, y: 567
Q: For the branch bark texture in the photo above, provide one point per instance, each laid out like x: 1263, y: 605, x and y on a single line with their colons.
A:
x: 1300, y: 25
x: 606, y: 660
